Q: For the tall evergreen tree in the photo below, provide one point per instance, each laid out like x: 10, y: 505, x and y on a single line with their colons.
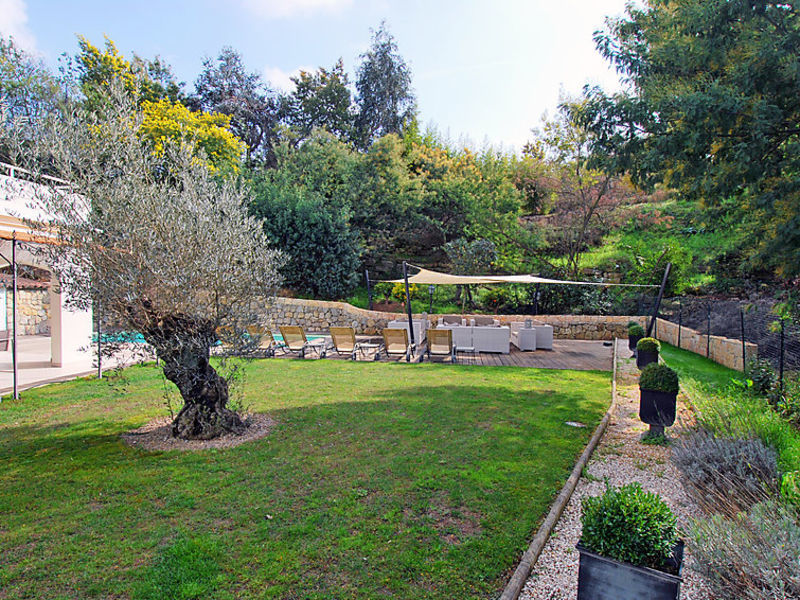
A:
x: 225, y: 86
x: 320, y: 99
x: 386, y: 101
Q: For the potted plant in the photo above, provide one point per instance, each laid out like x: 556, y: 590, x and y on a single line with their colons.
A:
x: 629, y: 548
x: 658, y: 394
x: 635, y: 333
x: 647, y: 351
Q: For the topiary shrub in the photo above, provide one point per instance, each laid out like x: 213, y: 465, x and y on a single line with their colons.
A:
x: 726, y: 475
x: 753, y: 556
x: 629, y: 525
x: 659, y: 378
x: 648, y: 345
x: 635, y: 330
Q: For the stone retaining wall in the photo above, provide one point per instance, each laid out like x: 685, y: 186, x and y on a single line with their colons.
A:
x: 722, y: 350
x: 317, y: 315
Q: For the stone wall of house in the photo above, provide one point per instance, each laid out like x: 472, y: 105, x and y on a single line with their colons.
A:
x: 722, y: 350
x: 33, y: 312
x: 316, y: 315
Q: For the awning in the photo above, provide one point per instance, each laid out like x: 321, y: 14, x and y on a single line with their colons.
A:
x: 426, y: 276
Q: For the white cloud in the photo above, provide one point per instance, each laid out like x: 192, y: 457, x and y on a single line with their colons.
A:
x: 280, y: 79
x: 281, y: 9
x: 14, y: 23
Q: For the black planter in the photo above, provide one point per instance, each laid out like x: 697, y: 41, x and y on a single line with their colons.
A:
x: 601, y: 578
x: 644, y: 358
x: 632, y: 341
x: 657, y: 408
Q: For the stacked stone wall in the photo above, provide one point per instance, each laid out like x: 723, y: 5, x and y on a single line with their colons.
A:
x: 722, y: 350
x: 33, y: 312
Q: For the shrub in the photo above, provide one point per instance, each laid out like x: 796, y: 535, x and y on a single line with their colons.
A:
x: 724, y: 474
x: 495, y: 299
x: 629, y: 525
x: 786, y: 401
x: 752, y: 556
x: 399, y: 291
x: 648, y: 345
x: 659, y: 378
x: 635, y: 330
x: 323, y: 250
x: 382, y: 289
x: 761, y: 373
x: 790, y: 489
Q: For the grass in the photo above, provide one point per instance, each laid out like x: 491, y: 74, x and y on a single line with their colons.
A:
x: 380, y: 480
x: 728, y: 410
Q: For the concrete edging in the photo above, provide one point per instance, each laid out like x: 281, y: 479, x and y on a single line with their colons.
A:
x: 531, y: 555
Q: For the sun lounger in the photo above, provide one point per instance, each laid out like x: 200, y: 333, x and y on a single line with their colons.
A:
x: 295, y: 340
x: 344, y: 343
x: 440, y: 343
x: 266, y: 342
x: 395, y: 343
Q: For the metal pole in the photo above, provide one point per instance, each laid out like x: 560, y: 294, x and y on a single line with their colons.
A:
x: 431, y: 289
x: 99, y: 343
x: 369, y: 288
x: 14, y: 313
x: 744, y: 349
x: 536, y: 300
x: 680, y: 322
x: 783, y: 333
x: 408, y: 307
x: 708, y: 330
x: 657, y: 307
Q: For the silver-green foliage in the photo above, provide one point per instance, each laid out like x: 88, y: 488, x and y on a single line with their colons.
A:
x: 753, y: 556
x: 726, y: 474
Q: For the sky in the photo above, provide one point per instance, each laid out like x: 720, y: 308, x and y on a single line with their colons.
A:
x: 484, y: 71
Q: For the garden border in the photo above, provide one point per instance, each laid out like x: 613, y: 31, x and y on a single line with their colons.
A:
x: 517, y: 582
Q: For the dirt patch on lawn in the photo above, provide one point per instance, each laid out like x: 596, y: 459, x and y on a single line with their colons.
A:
x: 157, y: 436
x: 453, y: 524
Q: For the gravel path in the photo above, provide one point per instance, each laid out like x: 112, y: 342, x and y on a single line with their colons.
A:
x: 622, y: 459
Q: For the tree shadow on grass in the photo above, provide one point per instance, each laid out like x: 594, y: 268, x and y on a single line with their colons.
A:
x: 396, y: 493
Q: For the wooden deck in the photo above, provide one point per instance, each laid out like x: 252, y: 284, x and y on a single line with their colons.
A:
x: 577, y: 355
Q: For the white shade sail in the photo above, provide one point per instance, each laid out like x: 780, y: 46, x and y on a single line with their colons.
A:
x: 426, y: 276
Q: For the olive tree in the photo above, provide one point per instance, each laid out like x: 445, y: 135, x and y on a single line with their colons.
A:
x: 165, y: 247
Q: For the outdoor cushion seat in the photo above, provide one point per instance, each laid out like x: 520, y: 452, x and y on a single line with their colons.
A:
x: 452, y: 320
x: 492, y: 339
x: 485, y: 322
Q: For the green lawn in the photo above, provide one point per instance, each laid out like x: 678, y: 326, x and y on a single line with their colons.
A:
x: 380, y: 481
x: 730, y: 411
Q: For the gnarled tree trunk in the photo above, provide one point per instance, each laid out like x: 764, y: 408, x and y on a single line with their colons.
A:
x: 183, y: 345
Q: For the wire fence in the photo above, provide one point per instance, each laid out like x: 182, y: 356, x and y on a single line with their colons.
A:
x: 776, y: 336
